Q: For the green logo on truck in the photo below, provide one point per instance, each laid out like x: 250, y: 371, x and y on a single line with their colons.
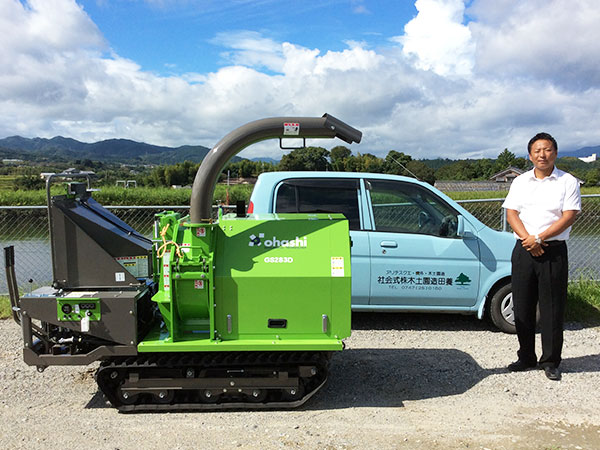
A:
x: 462, y: 280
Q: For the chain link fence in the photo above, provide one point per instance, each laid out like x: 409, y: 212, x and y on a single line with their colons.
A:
x: 26, y: 227
x: 583, y: 243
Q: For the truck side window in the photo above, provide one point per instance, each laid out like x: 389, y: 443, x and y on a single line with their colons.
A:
x: 408, y: 208
x: 318, y: 195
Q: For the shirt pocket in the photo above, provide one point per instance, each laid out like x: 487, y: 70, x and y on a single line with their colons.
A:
x: 552, y: 197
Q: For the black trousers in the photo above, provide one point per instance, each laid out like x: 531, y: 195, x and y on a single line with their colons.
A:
x: 540, y: 280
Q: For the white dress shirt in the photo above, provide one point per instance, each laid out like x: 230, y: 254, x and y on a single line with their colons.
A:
x: 540, y: 202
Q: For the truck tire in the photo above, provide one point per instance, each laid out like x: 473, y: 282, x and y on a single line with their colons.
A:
x: 501, y: 309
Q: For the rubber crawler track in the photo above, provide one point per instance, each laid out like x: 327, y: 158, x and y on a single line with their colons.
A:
x: 180, y: 381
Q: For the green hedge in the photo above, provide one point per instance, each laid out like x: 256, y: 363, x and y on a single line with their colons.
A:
x: 118, y: 196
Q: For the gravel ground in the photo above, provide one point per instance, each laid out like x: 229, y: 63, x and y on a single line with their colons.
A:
x: 404, y: 381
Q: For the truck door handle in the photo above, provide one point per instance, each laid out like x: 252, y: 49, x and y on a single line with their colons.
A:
x: 389, y: 244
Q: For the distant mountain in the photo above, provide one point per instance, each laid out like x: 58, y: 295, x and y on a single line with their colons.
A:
x: 585, y: 151
x: 8, y: 153
x: 437, y: 163
x: 266, y: 160
x: 110, y: 150
x: 127, y: 151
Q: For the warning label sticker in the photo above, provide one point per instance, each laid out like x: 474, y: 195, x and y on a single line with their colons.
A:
x: 80, y: 294
x: 135, y: 265
x: 337, y: 266
x: 291, y: 129
x: 166, y: 271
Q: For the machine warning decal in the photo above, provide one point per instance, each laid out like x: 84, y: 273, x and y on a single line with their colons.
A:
x: 119, y: 276
x: 85, y: 324
x: 422, y: 280
x: 337, y: 266
x: 135, y: 265
x: 166, y: 271
x: 198, y: 284
x: 201, y: 232
x: 80, y: 294
x: 291, y: 129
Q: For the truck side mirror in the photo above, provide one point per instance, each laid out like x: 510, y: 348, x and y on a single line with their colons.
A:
x: 460, y: 227
x: 463, y: 229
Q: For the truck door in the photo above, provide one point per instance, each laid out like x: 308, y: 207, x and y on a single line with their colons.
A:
x: 417, y: 259
x: 342, y: 195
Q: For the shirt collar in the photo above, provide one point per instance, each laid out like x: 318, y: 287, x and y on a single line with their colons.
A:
x: 532, y: 176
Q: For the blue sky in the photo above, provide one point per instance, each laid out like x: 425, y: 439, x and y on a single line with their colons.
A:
x: 431, y: 78
x: 175, y: 37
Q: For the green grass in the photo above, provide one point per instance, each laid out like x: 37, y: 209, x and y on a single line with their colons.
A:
x: 22, y: 198
x: 590, y: 190
x: 4, y: 307
x: 7, y: 181
x: 470, y: 195
x: 583, y: 302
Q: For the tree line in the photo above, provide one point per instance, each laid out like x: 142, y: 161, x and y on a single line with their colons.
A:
x: 339, y: 158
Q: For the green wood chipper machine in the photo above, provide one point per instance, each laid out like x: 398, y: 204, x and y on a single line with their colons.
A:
x: 237, y: 311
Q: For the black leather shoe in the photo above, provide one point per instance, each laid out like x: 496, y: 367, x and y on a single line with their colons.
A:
x: 552, y: 373
x: 520, y: 366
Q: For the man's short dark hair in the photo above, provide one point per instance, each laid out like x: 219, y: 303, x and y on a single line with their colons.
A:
x: 542, y: 136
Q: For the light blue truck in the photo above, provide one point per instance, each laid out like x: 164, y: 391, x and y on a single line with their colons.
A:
x: 414, y: 249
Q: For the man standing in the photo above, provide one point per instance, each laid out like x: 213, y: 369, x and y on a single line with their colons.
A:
x: 541, y: 207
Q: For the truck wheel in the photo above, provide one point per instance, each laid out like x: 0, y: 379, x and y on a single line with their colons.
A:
x: 501, y: 309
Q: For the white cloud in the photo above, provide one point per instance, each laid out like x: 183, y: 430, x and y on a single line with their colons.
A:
x: 359, y: 7
x: 425, y: 98
x: 250, y: 48
x: 48, y: 46
x: 437, y: 39
x: 60, y: 25
x: 554, y: 40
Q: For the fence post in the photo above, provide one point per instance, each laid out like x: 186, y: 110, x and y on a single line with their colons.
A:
x: 504, y: 221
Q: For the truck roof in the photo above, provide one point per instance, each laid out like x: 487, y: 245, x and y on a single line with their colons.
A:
x: 272, y: 176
